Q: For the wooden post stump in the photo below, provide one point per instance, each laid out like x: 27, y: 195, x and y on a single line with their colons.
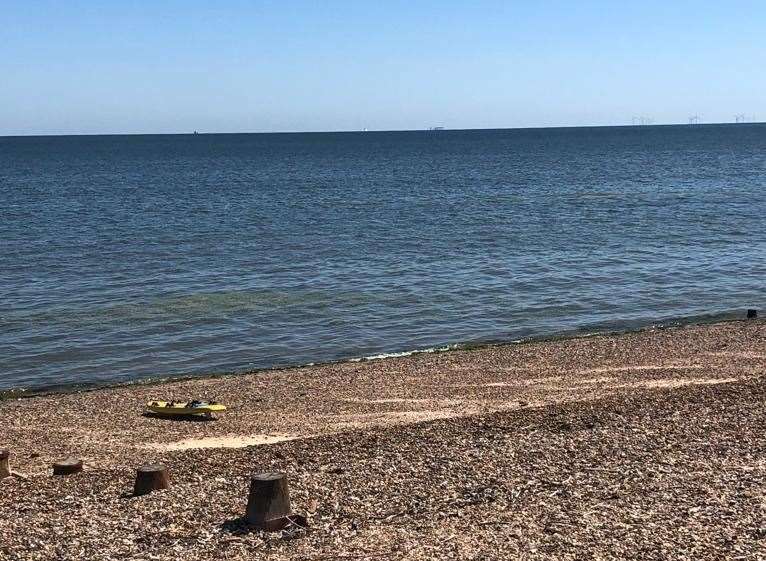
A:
x: 5, y: 466
x: 752, y: 314
x: 268, y: 504
x: 151, y: 478
x: 67, y: 466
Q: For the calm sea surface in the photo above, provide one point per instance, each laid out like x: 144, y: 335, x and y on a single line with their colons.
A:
x: 125, y: 257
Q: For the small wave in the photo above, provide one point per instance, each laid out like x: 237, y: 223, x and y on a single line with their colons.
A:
x: 406, y: 353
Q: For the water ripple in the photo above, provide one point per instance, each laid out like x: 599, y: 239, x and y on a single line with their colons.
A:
x: 131, y: 257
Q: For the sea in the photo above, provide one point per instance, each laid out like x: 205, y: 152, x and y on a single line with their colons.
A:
x: 126, y: 258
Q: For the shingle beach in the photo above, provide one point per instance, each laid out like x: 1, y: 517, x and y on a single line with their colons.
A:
x: 646, y: 445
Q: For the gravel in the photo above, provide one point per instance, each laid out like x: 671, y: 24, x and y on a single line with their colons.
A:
x: 647, y: 445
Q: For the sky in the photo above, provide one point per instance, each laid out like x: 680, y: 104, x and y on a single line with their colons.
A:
x: 92, y: 67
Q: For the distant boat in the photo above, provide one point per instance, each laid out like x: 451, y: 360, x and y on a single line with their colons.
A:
x: 436, y: 129
x: 195, y: 132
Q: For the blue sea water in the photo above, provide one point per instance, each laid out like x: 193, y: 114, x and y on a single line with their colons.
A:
x: 126, y: 257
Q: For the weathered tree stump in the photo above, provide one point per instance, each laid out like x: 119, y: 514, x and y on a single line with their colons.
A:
x: 67, y: 466
x: 268, y: 504
x: 5, y: 466
x: 752, y: 314
x: 151, y: 478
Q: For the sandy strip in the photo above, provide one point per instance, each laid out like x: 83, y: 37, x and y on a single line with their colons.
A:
x: 222, y: 442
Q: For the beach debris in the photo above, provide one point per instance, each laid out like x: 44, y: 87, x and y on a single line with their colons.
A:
x: 67, y: 466
x: 296, y: 525
x: 268, y: 504
x: 5, y: 467
x: 752, y: 314
x: 150, y: 477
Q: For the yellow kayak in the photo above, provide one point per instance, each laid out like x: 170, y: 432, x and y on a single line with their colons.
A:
x: 185, y: 407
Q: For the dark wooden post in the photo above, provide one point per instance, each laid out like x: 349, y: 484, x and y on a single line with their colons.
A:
x: 752, y: 314
x: 67, y: 466
x: 268, y: 505
x: 5, y: 466
x: 151, y: 478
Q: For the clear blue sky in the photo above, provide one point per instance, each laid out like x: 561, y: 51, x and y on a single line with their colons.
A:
x: 176, y: 66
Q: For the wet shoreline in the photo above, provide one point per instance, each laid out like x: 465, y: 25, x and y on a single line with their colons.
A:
x: 731, y: 316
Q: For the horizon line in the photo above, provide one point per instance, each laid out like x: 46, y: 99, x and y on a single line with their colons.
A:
x: 349, y: 131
